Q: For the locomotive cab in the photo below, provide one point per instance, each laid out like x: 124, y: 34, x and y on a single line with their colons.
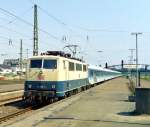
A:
x: 41, y: 77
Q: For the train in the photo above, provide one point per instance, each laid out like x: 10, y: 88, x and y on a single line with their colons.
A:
x: 55, y: 74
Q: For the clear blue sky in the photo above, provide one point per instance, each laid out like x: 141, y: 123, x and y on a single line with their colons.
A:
x: 108, y: 24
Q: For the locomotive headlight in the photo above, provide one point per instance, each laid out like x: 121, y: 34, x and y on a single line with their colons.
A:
x: 41, y: 87
x: 29, y: 86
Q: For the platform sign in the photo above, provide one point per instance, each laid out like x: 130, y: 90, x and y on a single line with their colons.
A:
x: 131, y: 66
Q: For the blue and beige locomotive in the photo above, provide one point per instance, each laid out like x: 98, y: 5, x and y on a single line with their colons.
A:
x: 55, y: 74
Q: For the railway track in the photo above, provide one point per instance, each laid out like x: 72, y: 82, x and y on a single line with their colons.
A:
x: 8, y: 97
x: 30, y: 108
x: 6, y: 91
x: 14, y: 114
x: 23, y: 107
x: 14, y: 108
x: 3, y: 102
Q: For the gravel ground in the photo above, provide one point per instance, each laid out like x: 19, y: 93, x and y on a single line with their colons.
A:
x: 11, y: 87
x: 103, y: 106
x: 12, y: 107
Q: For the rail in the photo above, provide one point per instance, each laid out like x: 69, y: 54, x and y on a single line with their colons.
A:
x: 12, y: 115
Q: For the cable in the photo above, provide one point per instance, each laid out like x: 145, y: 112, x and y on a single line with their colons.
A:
x: 4, y: 19
x: 31, y: 1
x: 8, y: 29
x: 81, y: 28
x: 106, y: 30
x: 17, y: 17
x: 3, y: 26
x: 62, y: 23
x: 18, y: 44
x: 21, y: 14
x: 51, y: 16
x: 4, y: 37
x: 14, y: 40
x: 24, y: 21
x: 102, y: 30
x: 57, y: 20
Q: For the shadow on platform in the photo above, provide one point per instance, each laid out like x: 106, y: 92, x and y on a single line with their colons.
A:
x: 132, y: 113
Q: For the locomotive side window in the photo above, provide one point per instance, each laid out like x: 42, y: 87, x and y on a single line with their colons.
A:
x: 71, y: 66
x: 79, y: 67
x: 50, y: 64
x: 84, y: 68
x: 36, y: 63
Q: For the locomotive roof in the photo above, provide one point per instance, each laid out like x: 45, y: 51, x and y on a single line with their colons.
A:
x: 57, y: 56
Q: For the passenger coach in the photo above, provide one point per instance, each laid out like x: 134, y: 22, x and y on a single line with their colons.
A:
x: 98, y: 74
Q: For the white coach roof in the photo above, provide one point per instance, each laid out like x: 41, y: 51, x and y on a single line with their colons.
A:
x: 93, y: 67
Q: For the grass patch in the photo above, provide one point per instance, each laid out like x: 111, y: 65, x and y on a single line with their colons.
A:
x: 131, y: 86
x: 145, y: 77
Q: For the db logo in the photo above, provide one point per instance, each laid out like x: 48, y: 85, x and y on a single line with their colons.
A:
x: 40, y: 76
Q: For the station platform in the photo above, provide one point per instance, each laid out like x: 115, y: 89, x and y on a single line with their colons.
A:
x: 105, y: 105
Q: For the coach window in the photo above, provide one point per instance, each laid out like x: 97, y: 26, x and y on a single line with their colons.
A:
x: 91, y: 73
x: 71, y: 66
x: 79, y: 67
x: 36, y: 63
x: 84, y: 68
x: 50, y: 64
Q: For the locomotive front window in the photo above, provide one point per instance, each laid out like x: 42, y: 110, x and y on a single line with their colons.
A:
x: 36, y: 63
x: 50, y: 64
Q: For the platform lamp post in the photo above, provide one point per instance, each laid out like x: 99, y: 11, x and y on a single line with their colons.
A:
x: 131, y: 60
x: 99, y: 51
x: 137, y: 74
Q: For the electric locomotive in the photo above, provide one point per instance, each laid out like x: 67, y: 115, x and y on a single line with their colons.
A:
x: 54, y: 74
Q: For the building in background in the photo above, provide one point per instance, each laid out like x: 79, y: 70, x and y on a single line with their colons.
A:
x: 12, y: 66
x: 4, y: 69
x: 11, y: 62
